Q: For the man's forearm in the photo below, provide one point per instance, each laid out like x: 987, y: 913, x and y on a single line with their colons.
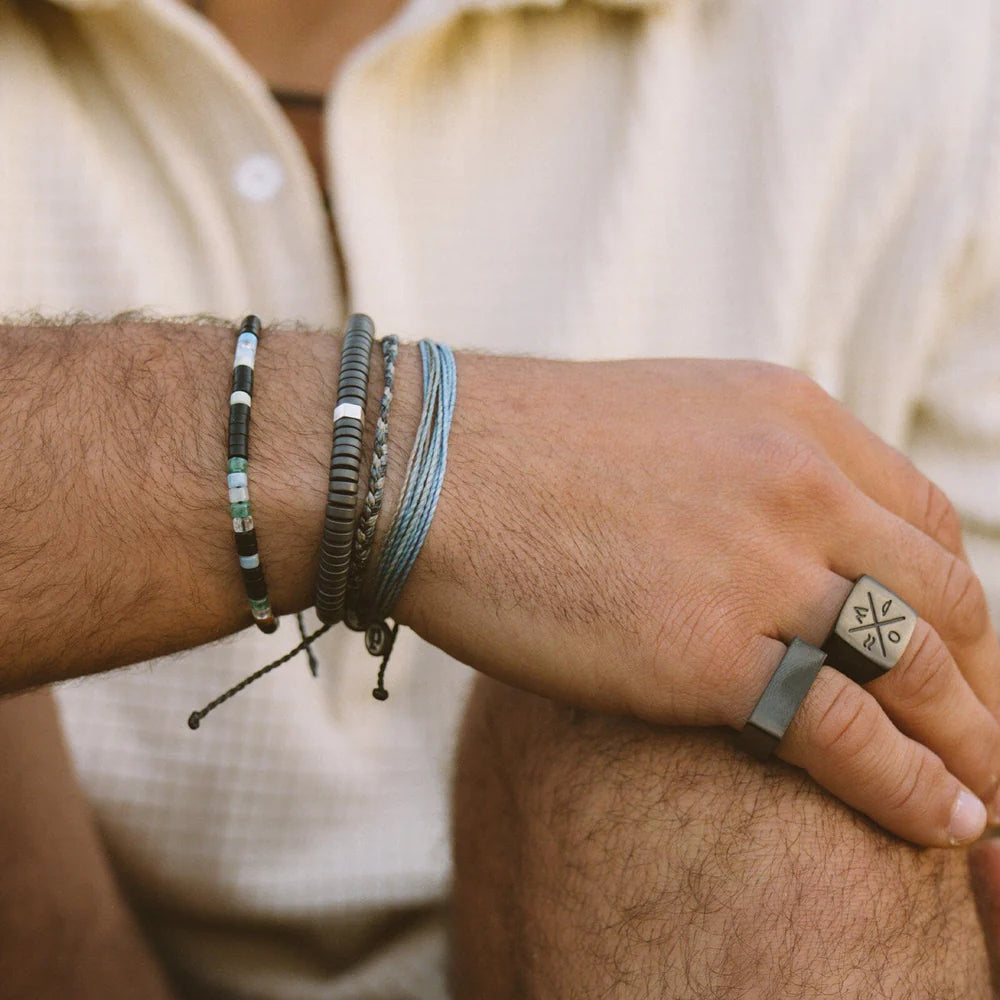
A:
x: 116, y: 541
x: 638, y: 537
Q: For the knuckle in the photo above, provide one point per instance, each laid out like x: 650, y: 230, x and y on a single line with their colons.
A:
x: 964, y: 600
x: 800, y: 388
x: 923, y: 678
x: 809, y: 481
x: 916, y: 776
x: 849, y: 724
x: 809, y: 469
x: 941, y: 518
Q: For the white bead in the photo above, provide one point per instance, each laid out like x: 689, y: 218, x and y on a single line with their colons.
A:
x: 236, y: 479
x: 242, y: 525
x: 239, y: 494
x: 250, y: 562
x: 244, y: 357
x: 240, y: 397
x: 348, y: 410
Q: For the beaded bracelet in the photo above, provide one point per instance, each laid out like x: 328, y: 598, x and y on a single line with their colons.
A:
x: 236, y: 478
x: 345, y: 469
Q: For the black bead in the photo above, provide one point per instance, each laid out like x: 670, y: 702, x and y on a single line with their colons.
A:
x: 354, y: 368
x: 246, y: 543
x: 348, y: 430
x: 256, y: 589
x: 360, y: 323
x: 352, y: 389
x: 251, y: 325
x: 346, y: 469
x: 253, y: 574
x: 344, y: 466
x: 243, y: 379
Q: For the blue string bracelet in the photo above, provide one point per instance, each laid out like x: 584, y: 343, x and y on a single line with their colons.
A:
x: 237, y: 476
x: 418, y: 500
x: 424, y: 477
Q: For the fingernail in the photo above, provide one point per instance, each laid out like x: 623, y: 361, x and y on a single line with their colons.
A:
x: 968, y: 818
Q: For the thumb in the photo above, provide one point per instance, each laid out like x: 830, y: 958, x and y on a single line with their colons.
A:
x: 984, y: 866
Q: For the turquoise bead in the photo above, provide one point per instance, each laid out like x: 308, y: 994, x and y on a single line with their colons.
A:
x: 237, y: 465
x: 239, y: 510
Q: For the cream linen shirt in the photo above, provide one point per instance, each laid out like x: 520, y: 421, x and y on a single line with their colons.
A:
x: 814, y: 184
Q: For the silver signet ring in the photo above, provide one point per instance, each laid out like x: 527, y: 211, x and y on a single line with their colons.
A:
x: 871, y: 633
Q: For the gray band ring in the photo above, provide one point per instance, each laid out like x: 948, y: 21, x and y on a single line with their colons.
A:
x: 785, y: 691
x: 871, y: 633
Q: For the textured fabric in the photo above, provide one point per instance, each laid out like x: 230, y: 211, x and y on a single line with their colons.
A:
x: 814, y: 184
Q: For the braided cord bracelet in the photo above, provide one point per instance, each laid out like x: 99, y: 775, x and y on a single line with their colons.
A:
x: 364, y: 536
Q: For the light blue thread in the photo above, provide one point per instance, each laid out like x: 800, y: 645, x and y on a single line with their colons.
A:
x: 424, y: 476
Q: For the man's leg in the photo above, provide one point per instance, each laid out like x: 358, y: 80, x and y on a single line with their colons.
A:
x: 65, y: 929
x: 601, y: 857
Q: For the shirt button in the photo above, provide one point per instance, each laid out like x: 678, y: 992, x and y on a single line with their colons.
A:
x: 259, y: 177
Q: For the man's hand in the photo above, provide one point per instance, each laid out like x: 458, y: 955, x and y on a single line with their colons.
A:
x: 643, y: 537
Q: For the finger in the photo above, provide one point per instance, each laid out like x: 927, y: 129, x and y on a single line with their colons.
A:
x: 847, y: 743
x: 938, y: 585
x: 883, y: 472
x: 929, y: 700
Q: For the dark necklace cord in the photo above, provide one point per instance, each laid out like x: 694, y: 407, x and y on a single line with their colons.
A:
x: 299, y: 99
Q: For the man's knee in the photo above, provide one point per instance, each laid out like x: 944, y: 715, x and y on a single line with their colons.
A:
x: 601, y: 856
